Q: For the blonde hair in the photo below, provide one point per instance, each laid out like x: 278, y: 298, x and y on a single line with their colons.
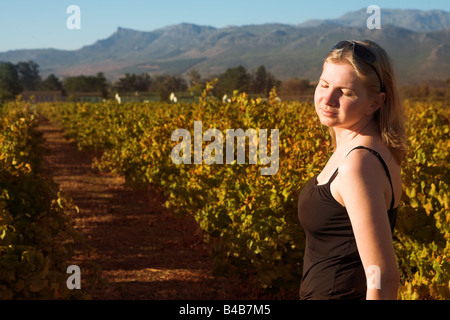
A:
x: 390, y: 116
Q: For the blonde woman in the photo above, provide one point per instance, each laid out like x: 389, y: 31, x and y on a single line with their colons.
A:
x: 348, y: 211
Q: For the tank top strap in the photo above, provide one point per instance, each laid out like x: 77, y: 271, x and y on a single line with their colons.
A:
x: 384, y: 166
x: 333, y: 176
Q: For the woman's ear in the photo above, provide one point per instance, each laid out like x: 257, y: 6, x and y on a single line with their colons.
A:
x: 377, y: 102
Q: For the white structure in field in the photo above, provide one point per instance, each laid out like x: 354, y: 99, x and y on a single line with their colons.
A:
x: 118, y: 98
x: 173, y: 98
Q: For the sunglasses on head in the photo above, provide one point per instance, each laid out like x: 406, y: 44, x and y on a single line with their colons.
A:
x: 363, y: 53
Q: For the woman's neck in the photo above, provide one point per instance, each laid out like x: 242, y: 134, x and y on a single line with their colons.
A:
x: 347, y: 137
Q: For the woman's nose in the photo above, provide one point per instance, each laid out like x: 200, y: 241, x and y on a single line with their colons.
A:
x: 330, y: 98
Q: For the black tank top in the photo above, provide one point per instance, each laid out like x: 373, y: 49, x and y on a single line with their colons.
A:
x: 332, y: 268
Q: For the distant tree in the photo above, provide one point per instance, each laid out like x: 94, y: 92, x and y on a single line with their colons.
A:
x: 196, y: 82
x: 176, y: 83
x: 133, y: 83
x: 87, y: 84
x: 29, y: 75
x: 232, y: 79
x: 101, y: 84
x: 262, y: 81
x: 271, y: 83
x: 143, y: 82
x: 295, y: 88
x: 9, y: 81
x: 194, y: 77
x: 125, y: 84
x: 259, y: 83
x: 164, y: 85
x: 78, y: 84
x: 51, y: 83
x: 161, y: 86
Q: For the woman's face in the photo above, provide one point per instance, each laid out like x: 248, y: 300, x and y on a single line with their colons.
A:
x: 341, y: 98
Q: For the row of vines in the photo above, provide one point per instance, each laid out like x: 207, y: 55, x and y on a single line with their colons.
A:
x: 250, y: 220
x: 36, y: 234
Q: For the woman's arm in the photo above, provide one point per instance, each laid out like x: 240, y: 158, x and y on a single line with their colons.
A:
x: 362, y: 184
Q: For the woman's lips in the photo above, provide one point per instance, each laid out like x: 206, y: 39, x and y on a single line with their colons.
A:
x: 327, y: 113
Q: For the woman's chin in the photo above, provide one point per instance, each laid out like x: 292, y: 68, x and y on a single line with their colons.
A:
x: 326, y: 121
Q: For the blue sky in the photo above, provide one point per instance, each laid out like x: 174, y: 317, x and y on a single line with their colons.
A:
x: 27, y: 24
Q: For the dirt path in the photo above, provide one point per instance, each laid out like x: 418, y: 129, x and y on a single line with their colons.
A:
x: 141, y: 248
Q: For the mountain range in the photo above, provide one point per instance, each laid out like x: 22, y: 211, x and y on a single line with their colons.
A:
x: 417, y: 41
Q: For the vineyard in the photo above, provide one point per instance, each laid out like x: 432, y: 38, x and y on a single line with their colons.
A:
x: 249, y: 220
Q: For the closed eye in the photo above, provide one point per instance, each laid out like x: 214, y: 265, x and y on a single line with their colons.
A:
x: 348, y: 93
x: 323, y: 84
